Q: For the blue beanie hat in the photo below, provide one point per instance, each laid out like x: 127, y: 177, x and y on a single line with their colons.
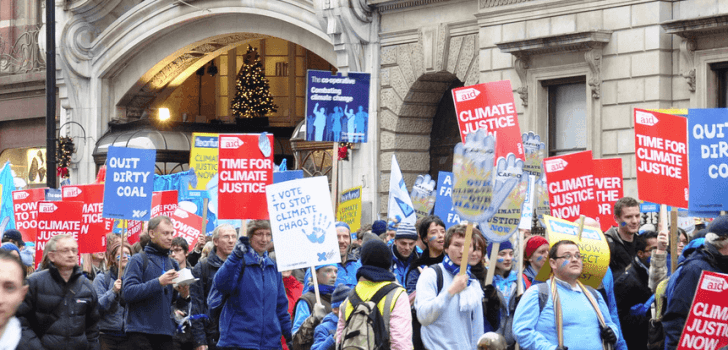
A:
x: 339, y: 295
x: 503, y: 246
x: 379, y: 227
x: 406, y: 230
x: 324, y: 265
x: 719, y: 226
x: 343, y: 224
x: 9, y: 247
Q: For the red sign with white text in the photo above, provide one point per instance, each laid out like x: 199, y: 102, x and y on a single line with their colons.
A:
x: 133, y: 230
x: 706, y: 325
x: 57, y: 218
x: 94, y: 227
x: 661, y: 150
x: 571, y: 185
x: 490, y: 106
x: 25, y: 208
x: 163, y: 203
x: 243, y: 173
x: 608, y: 187
x: 187, y: 225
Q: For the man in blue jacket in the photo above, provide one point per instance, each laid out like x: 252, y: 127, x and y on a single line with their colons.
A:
x: 403, y: 251
x: 148, y: 293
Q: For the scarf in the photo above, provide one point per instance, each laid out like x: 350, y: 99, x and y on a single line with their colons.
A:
x: 257, y: 258
x: 326, y: 289
x: 375, y: 274
x: 454, y: 269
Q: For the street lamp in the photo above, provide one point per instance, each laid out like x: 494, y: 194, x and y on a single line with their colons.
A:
x: 164, y: 114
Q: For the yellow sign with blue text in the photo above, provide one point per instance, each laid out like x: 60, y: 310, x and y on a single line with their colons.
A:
x: 203, y: 157
x: 593, y: 247
x: 349, y: 210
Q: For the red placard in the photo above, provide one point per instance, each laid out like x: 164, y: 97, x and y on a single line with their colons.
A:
x: 186, y: 225
x: 490, y: 106
x: 133, y: 230
x: 57, y: 218
x: 164, y: 203
x: 25, y: 208
x: 661, y: 150
x: 705, y: 327
x: 244, y: 172
x: 571, y: 185
x: 92, y: 238
x: 608, y: 186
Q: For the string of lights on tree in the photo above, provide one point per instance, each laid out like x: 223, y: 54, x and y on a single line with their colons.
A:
x: 252, y: 95
x: 64, y: 151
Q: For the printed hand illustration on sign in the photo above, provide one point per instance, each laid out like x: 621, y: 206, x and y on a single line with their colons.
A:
x: 535, y: 151
x: 541, y: 198
x: 509, y: 190
x: 321, y: 223
x: 472, y: 167
x: 423, y: 195
x: 264, y: 144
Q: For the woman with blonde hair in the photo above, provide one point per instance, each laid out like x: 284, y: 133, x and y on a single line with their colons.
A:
x: 107, y: 285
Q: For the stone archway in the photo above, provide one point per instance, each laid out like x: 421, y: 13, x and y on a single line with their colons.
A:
x: 410, y: 93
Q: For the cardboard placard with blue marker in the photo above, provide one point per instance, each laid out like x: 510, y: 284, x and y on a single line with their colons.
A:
x: 708, y: 160
x: 129, y: 183
x: 443, y: 203
x: 303, y: 223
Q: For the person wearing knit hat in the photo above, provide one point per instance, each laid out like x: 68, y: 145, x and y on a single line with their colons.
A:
x: 12, y: 248
x: 431, y: 230
x: 308, y: 312
x: 373, y: 276
x: 535, y: 256
x: 323, y: 335
x: 404, y: 251
x: 349, y: 261
x: 107, y: 285
x: 379, y: 227
x: 504, y: 279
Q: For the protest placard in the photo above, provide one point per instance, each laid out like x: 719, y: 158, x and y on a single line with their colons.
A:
x: 337, y: 106
x: 186, y: 225
x: 571, y: 185
x: 490, y: 107
x: 399, y: 206
x: 593, y: 248
x: 129, y: 183
x: 203, y: 158
x: 706, y: 325
x: 25, y: 208
x: 662, y: 157
x: 443, y: 203
x: 302, y: 221
x: 423, y: 195
x: 349, y: 210
x: 245, y: 169
x: 134, y: 229
x: 281, y: 176
x: 708, y: 150
x: 57, y: 218
x: 164, y: 203
x: 53, y: 194
x: 510, y: 189
x: 608, y: 189
x: 527, y: 209
x: 94, y: 227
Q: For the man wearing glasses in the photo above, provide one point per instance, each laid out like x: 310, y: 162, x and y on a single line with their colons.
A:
x: 572, y: 316
x: 60, y: 308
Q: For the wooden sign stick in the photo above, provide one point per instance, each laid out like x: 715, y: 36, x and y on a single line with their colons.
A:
x: 466, y: 248
x: 315, y: 285
x: 673, y: 239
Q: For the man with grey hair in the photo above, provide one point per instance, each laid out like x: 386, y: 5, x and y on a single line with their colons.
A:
x: 713, y: 256
x: 205, y: 331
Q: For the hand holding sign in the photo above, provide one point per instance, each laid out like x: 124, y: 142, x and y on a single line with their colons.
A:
x: 423, y: 195
x: 472, y: 166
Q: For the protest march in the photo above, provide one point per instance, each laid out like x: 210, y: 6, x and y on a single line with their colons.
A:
x: 514, y: 248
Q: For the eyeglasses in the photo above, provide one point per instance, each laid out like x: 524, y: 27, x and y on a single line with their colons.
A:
x: 568, y: 256
x: 266, y: 235
x: 66, y: 251
x: 125, y: 255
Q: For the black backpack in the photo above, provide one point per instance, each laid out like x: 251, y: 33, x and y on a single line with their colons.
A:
x: 366, y: 328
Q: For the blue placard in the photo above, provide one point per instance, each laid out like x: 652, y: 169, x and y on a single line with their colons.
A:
x: 337, y: 106
x: 283, y: 176
x: 708, y: 159
x: 53, y: 194
x: 443, y: 201
x: 129, y: 183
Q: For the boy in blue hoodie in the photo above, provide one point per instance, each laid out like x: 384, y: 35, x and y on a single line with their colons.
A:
x: 323, y: 335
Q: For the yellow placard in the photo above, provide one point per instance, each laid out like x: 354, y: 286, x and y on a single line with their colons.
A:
x: 674, y: 111
x: 593, y: 247
x: 350, y: 208
x: 203, y: 157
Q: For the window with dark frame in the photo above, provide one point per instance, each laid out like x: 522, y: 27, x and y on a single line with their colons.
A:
x: 721, y: 83
x: 567, y: 124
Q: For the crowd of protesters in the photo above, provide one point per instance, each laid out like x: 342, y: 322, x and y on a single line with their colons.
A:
x: 128, y: 297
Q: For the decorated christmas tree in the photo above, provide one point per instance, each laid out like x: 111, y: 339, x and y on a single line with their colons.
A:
x: 252, y: 95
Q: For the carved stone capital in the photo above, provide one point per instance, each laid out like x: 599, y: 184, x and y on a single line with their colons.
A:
x: 687, y: 49
x: 348, y: 25
x: 521, y: 65
x: 593, y: 57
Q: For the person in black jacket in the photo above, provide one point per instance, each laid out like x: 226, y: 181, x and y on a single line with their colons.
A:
x: 205, y: 331
x: 621, y: 239
x: 60, y: 309
x: 631, y: 288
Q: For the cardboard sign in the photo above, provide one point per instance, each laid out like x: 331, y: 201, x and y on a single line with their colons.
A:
x: 186, y: 225
x: 527, y: 210
x: 608, y: 189
x: 708, y: 160
x: 349, y: 210
x: 490, y: 106
x: 302, y: 221
x: 129, y: 183
x: 593, y: 248
x: 443, y: 203
x: 245, y: 169
x: 94, y: 227
x: 164, y: 203
x: 705, y: 327
x: 423, y: 195
x: 337, y: 106
x: 662, y: 157
x: 571, y: 185
x: 399, y: 206
x: 203, y: 158
x: 25, y: 208
x: 57, y: 218
x: 134, y: 230
x: 510, y: 189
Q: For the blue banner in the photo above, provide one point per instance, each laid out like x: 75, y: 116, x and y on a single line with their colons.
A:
x: 129, y: 183
x: 53, y: 194
x: 337, y: 107
x: 283, y: 176
x: 443, y: 203
x: 708, y: 155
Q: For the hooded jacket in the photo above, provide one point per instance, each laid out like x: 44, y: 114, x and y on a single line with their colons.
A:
x: 57, y: 314
x: 323, y: 335
x: 346, y: 273
x: 620, y: 255
x: 413, y: 275
x: 630, y: 289
x: 113, y: 315
x: 400, y: 267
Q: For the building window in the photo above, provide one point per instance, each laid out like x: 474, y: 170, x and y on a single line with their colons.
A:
x: 567, y: 122
x: 721, y: 75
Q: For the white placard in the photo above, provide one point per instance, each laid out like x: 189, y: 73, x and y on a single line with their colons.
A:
x: 527, y: 212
